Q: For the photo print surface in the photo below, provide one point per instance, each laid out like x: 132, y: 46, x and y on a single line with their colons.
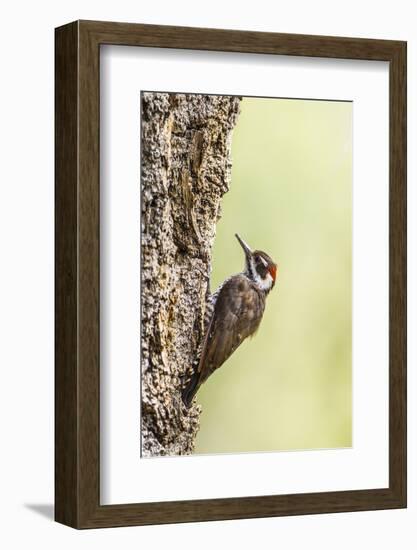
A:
x: 246, y: 274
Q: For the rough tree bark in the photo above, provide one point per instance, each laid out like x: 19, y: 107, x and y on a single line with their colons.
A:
x: 186, y: 170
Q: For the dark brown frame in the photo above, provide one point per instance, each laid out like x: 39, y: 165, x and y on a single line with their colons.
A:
x: 77, y: 274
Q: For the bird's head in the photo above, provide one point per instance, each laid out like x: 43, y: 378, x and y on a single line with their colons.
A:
x: 259, y: 267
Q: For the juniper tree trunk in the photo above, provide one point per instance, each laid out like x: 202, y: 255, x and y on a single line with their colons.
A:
x: 186, y: 170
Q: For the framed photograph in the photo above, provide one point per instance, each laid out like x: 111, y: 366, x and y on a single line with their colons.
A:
x: 230, y: 274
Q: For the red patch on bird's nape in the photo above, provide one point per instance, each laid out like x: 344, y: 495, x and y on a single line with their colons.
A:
x: 272, y: 268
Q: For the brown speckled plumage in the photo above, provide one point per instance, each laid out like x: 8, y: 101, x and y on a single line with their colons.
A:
x: 237, y: 310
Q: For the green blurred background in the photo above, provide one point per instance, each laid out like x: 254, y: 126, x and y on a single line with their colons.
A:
x: 289, y: 387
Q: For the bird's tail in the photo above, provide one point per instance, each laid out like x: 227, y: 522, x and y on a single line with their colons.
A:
x: 190, y: 390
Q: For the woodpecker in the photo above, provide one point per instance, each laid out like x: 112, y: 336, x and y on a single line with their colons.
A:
x: 233, y: 313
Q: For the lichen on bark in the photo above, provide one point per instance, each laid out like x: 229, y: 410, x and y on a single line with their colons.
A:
x: 186, y: 170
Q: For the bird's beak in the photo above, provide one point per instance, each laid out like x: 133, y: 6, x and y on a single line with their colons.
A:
x: 246, y: 248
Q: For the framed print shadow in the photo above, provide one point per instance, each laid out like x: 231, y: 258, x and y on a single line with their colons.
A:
x: 230, y: 330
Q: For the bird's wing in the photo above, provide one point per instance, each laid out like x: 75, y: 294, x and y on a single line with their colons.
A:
x: 235, y: 317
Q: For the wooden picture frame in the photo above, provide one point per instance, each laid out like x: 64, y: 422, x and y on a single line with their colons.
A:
x: 77, y: 374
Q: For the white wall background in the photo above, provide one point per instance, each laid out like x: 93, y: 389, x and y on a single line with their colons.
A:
x: 26, y: 272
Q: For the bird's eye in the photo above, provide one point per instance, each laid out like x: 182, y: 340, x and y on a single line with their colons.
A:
x: 261, y: 268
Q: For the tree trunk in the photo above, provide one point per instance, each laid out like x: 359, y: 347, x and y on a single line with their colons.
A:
x: 186, y: 169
